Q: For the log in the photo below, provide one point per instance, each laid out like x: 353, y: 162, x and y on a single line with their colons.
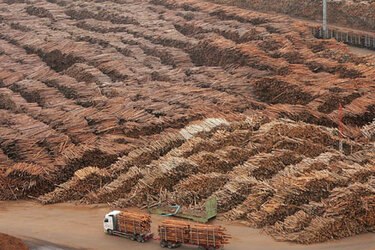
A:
x: 131, y: 222
x: 209, y: 235
x: 174, y: 231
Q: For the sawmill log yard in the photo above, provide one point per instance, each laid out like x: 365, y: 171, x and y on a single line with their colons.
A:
x: 122, y: 115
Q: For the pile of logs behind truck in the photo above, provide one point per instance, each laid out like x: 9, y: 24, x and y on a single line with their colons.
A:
x: 172, y: 233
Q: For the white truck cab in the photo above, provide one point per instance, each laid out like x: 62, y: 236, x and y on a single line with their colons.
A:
x: 109, y: 221
x: 112, y: 227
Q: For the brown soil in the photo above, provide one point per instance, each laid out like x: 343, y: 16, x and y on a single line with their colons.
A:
x: 8, y: 242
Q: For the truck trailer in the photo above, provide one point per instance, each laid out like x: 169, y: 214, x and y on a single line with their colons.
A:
x: 129, y: 225
x: 172, y: 233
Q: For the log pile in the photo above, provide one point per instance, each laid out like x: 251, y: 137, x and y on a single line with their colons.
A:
x: 197, y: 234
x: 22, y: 179
x: 273, y: 90
x: 312, y: 10
x: 168, y: 173
x: 115, y: 189
x: 369, y: 131
x: 131, y: 222
x: 209, y: 235
x: 39, y: 11
x: 198, y: 187
x: 83, y: 181
x: 234, y: 192
x: 174, y: 231
x: 316, y: 225
x: 137, y: 103
x: 264, y: 166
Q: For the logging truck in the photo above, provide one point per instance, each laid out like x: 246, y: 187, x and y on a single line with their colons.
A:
x: 172, y: 233
x: 127, y: 227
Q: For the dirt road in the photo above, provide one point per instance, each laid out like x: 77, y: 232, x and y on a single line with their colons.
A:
x: 64, y: 226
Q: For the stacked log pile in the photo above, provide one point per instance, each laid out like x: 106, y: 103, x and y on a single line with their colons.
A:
x: 369, y: 131
x: 83, y: 181
x: 197, y: 234
x: 162, y: 176
x: 161, y: 102
x: 130, y: 222
x: 234, y: 192
x: 22, y: 179
x: 174, y: 231
x: 296, y: 191
x: 209, y: 235
x: 348, y: 209
x: 348, y: 13
x: 198, y: 187
x: 116, y: 189
x: 264, y: 166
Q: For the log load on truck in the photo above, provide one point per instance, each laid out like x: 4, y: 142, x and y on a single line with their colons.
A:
x: 172, y: 233
x: 135, y: 226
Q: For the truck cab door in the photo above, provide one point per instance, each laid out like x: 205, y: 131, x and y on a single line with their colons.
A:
x: 108, y: 223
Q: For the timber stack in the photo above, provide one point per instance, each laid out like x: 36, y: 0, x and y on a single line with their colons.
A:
x: 209, y: 235
x: 174, y: 231
x: 164, y: 102
x: 138, y: 223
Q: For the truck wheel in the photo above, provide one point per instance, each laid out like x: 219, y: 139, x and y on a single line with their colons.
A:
x: 163, y: 244
x: 133, y: 238
x: 109, y: 231
x: 140, y: 239
x: 170, y: 245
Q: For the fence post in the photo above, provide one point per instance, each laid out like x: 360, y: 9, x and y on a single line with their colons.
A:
x: 325, y: 19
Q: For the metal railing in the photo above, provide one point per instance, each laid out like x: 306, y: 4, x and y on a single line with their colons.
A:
x: 360, y: 39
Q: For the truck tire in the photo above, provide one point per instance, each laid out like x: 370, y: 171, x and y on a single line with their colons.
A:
x: 163, y: 244
x: 133, y: 237
x: 109, y: 231
x: 140, y: 238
